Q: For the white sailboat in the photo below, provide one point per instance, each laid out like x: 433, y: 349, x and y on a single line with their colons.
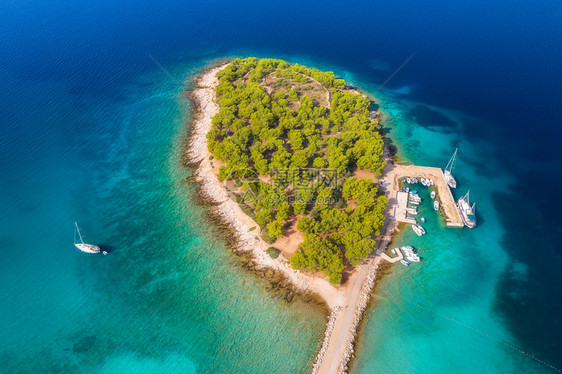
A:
x: 88, y: 248
x: 448, y: 173
x: 468, y: 212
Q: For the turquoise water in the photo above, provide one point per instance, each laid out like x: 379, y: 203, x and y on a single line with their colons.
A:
x: 441, y: 312
x: 169, y: 297
x: 92, y: 129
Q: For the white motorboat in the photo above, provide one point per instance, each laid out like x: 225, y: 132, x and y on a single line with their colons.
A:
x: 436, y: 205
x: 404, y: 262
x: 409, y: 254
x: 418, y: 230
x: 433, y: 194
x: 413, y: 257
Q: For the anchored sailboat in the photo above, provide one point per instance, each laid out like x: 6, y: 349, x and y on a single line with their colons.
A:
x: 88, y: 248
x: 468, y: 213
x: 448, y: 173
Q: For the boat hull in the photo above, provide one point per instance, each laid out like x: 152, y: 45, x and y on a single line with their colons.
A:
x: 467, y: 221
x: 451, y: 182
x: 88, y: 248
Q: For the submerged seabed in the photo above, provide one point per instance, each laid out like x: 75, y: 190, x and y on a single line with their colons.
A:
x: 91, y: 129
x: 169, y: 297
x: 441, y: 315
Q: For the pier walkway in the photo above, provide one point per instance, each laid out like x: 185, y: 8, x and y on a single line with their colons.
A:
x: 401, y: 208
x: 399, y: 256
x: 452, y: 216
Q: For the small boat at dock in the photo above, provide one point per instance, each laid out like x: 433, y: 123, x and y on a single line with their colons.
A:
x: 404, y: 262
x: 436, y: 205
x: 433, y: 194
x: 409, y: 254
x: 448, y: 173
x: 467, y: 212
x: 418, y: 230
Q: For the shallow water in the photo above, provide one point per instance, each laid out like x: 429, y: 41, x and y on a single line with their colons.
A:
x: 169, y: 296
x: 92, y: 121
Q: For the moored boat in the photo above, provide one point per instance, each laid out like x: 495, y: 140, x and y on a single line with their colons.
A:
x: 404, y: 262
x: 88, y: 248
x: 418, y: 230
x: 448, y: 173
x: 436, y: 205
x: 433, y: 194
x: 413, y: 257
x: 409, y: 254
x: 468, y: 213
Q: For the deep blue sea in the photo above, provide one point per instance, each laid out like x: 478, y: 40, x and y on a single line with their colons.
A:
x: 93, y: 119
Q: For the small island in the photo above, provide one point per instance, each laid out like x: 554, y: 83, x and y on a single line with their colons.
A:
x: 294, y: 161
x: 287, y: 141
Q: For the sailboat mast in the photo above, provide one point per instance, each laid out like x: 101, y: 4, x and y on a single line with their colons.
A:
x: 451, y: 165
x: 77, y: 229
x: 454, y: 159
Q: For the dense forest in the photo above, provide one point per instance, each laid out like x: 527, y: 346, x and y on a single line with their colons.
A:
x: 288, y: 138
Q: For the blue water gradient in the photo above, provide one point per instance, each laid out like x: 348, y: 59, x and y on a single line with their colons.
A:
x: 92, y: 129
